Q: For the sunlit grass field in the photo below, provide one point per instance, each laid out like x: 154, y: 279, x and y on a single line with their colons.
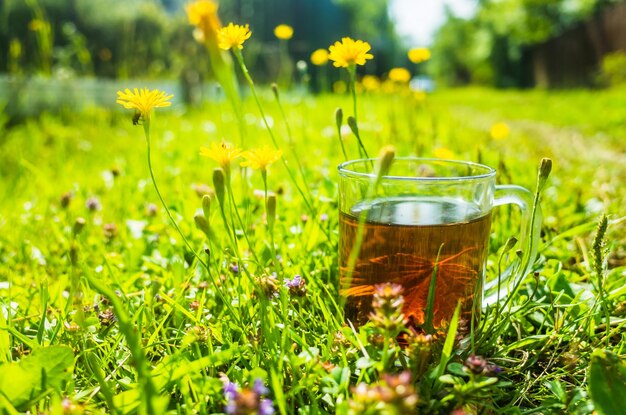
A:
x: 90, y: 261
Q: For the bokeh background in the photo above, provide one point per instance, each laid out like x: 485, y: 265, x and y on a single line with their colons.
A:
x: 499, y: 43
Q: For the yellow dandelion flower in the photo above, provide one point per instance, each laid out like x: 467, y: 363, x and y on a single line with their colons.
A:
x: 418, y: 55
x: 203, y: 15
x: 37, y: 25
x: 400, y: 75
x: 223, y: 153
x: 499, y: 131
x: 349, y: 52
x: 261, y: 158
x: 340, y: 87
x: 283, y: 32
x: 443, y: 153
x: 143, y: 100
x: 388, y: 86
x: 319, y: 57
x: 419, y: 95
x: 370, y: 83
x: 233, y: 36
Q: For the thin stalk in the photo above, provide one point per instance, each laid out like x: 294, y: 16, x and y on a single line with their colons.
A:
x: 339, y: 137
x: 246, y: 74
x: 236, y: 210
x: 146, y: 129
x: 270, y: 228
x: 352, y: 72
x: 290, y: 138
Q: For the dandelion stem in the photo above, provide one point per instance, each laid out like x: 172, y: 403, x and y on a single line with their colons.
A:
x: 246, y: 74
x: 355, y: 130
x: 243, y: 227
x: 146, y: 129
x: 290, y: 137
x: 270, y: 221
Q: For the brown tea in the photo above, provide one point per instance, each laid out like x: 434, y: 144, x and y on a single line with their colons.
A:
x: 405, y: 241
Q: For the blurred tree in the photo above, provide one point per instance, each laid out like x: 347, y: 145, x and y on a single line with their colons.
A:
x: 151, y: 38
x: 510, y: 28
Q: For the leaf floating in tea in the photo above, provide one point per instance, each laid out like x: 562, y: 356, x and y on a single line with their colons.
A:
x: 414, y: 274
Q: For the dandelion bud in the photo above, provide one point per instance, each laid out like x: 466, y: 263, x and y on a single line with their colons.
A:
x: 510, y: 243
x: 339, y: 117
x: 387, y: 154
x: 271, y: 211
x: 110, y: 231
x: 66, y: 198
x: 74, y: 253
x: 275, y: 90
x: 79, y: 224
x: 352, y: 124
x: 544, y: 171
x: 202, y: 223
x: 93, y: 204
x: 206, y: 206
x: 218, y: 182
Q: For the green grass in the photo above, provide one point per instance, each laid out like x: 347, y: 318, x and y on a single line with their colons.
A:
x: 180, y: 328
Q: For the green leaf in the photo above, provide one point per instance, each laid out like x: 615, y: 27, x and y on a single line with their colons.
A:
x: 5, y: 340
x: 607, y: 383
x: 449, y: 343
x: 26, y: 381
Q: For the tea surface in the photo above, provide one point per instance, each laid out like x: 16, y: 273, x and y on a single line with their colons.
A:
x: 405, y: 240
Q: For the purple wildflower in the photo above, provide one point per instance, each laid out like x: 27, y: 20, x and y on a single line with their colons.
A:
x: 266, y: 407
x: 493, y: 370
x: 259, y: 387
x: 323, y: 217
x: 93, y: 204
x: 247, y: 401
x: 476, y: 364
x: 234, y: 268
x: 296, y: 285
x: 151, y: 209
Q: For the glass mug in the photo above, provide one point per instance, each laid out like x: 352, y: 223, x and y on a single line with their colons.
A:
x: 425, y: 217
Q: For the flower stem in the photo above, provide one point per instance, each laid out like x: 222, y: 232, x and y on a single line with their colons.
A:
x: 146, y: 129
x: 290, y: 138
x: 243, y: 228
x: 270, y: 222
x: 246, y: 74
x: 352, y: 72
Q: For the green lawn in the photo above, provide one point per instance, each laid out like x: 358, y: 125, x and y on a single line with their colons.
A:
x: 89, y: 260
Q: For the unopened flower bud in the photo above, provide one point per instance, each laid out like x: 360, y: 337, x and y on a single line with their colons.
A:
x: 544, y: 171
x: 206, y: 206
x: 510, y: 243
x: 339, y: 117
x: 352, y: 124
x: 79, y: 224
x: 109, y: 230
x: 218, y: 182
x: 271, y: 211
x: 66, y: 198
x: 74, y: 253
x: 275, y: 90
x: 387, y: 154
x: 201, y: 223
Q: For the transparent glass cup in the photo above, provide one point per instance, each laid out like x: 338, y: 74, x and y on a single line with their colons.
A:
x: 426, y: 222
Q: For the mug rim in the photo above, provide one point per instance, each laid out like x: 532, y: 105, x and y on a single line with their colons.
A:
x: 490, y: 172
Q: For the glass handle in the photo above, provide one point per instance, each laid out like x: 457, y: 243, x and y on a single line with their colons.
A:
x: 529, y: 233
